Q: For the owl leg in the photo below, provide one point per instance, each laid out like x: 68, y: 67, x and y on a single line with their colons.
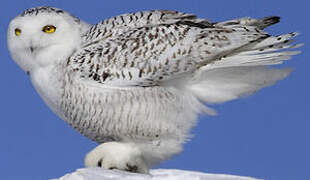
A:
x: 117, y: 155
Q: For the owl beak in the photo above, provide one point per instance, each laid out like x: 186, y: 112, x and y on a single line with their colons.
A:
x: 31, y: 49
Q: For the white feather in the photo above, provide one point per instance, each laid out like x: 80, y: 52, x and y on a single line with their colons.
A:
x: 243, y: 73
x: 225, y: 84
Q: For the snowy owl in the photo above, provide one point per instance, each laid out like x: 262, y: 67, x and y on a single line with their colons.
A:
x: 135, y: 83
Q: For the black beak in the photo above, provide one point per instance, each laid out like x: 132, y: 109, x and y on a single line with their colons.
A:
x: 31, y: 49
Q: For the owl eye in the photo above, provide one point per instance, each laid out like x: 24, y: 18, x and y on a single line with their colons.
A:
x: 18, y: 32
x: 49, y: 29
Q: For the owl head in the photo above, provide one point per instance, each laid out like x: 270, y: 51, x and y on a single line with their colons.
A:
x: 43, y: 35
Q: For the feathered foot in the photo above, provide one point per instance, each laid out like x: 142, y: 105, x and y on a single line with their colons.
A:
x: 117, y: 155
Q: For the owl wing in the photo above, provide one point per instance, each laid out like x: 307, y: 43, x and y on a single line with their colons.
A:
x: 118, y: 25
x: 156, y: 47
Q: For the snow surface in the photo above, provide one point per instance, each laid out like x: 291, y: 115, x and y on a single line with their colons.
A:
x: 158, y: 174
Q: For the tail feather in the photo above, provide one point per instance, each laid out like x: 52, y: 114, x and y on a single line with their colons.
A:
x: 243, y: 72
x: 225, y: 84
x: 249, y: 59
x: 265, y: 52
x: 274, y: 42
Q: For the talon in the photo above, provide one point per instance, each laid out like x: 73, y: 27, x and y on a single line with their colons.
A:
x: 99, y: 163
x: 132, y: 168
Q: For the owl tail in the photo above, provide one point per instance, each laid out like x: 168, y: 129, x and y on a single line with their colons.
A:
x: 245, y: 72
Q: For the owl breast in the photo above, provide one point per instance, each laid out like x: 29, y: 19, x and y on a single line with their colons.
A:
x: 138, y: 113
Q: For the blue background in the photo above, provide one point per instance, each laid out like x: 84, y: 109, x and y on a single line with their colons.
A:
x: 265, y: 135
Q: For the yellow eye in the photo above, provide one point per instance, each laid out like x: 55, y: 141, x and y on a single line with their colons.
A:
x: 18, y: 32
x: 49, y: 29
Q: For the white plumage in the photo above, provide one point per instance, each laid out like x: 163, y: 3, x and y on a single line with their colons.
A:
x: 137, y: 82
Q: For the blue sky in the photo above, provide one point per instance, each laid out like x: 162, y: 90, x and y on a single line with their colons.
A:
x: 265, y: 135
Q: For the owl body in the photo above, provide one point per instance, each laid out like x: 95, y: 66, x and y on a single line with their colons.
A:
x: 134, y: 114
x: 147, y: 116
x: 136, y: 82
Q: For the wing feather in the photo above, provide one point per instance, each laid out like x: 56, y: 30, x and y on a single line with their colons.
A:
x: 119, y: 24
x: 151, y: 48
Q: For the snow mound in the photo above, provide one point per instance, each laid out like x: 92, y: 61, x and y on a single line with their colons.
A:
x: 158, y: 174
